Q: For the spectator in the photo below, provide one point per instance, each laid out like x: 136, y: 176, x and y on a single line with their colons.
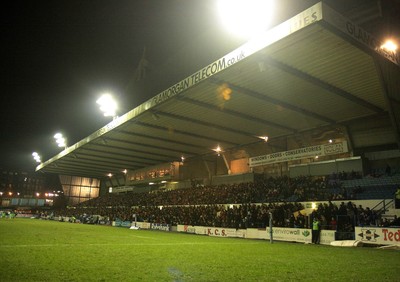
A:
x: 333, y: 224
x: 316, y: 229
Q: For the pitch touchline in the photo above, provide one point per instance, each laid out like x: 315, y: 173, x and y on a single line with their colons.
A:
x: 125, y: 244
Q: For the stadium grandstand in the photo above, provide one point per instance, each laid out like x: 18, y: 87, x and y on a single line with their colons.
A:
x: 302, y: 121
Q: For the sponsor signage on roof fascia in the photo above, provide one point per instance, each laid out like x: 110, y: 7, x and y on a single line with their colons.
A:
x: 301, y: 153
x: 357, y: 33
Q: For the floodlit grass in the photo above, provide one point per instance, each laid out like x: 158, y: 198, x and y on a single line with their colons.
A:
x: 37, y: 250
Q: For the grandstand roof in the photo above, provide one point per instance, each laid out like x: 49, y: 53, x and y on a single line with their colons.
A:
x: 315, y: 70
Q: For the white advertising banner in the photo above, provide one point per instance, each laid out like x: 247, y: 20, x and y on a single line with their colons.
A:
x: 301, y: 153
x: 212, y: 231
x: 326, y: 237
x: 142, y: 225
x: 255, y: 233
x: 186, y: 228
x: 299, y: 235
x: 290, y: 234
x: 279, y: 233
x: 378, y: 235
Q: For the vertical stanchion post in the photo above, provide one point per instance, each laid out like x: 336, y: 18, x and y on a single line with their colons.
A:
x: 271, y: 239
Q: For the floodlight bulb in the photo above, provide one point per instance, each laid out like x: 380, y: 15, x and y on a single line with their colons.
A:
x: 246, y: 17
x: 389, y: 45
x: 218, y: 149
x: 265, y: 138
x: 58, y: 136
x: 107, y: 105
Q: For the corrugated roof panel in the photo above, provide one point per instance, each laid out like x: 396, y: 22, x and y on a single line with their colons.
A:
x: 261, y: 108
x: 337, y: 62
x: 167, y: 133
x: 209, y: 135
x: 295, y: 91
x: 114, y: 152
x: 224, y: 117
x: 281, y: 115
x: 158, y: 141
x: 127, y: 152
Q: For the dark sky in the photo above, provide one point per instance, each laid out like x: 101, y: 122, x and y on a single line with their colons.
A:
x: 61, y: 55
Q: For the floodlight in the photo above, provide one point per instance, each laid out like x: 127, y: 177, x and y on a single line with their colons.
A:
x: 36, y: 157
x: 246, y: 17
x: 264, y: 138
x: 218, y: 150
x: 60, y: 140
x: 107, y: 105
x: 390, y: 46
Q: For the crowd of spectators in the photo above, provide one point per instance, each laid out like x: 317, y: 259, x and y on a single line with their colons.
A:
x: 231, y: 216
x: 245, y: 205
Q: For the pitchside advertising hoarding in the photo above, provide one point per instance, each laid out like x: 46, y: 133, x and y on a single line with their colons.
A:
x: 301, y: 153
x: 378, y: 235
x: 145, y: 225
x: 300, y: 235
x: 371, y: 235
x: 368, y: 235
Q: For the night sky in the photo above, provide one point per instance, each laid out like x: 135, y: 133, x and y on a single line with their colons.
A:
x: 60, y: 56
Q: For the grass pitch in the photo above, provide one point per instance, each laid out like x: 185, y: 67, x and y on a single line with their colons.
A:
x: 37, y: 250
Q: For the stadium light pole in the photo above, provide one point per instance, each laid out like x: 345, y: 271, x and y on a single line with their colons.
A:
x: 108, y: 105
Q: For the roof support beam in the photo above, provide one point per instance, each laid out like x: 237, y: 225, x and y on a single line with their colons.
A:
x: 206, y: 138
x: 333, y: 89
x: 260, y: 96
x: 93, y: 164
x: 168, y: 149
x: 236, y: 114
x: 159, y: 138
x: 212, y: 125
x: 111, y: 155
x: 77, y: 171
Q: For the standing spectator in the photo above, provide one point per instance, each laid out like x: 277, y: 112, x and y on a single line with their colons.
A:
x: 316, y: 229
x: 333, y: 224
